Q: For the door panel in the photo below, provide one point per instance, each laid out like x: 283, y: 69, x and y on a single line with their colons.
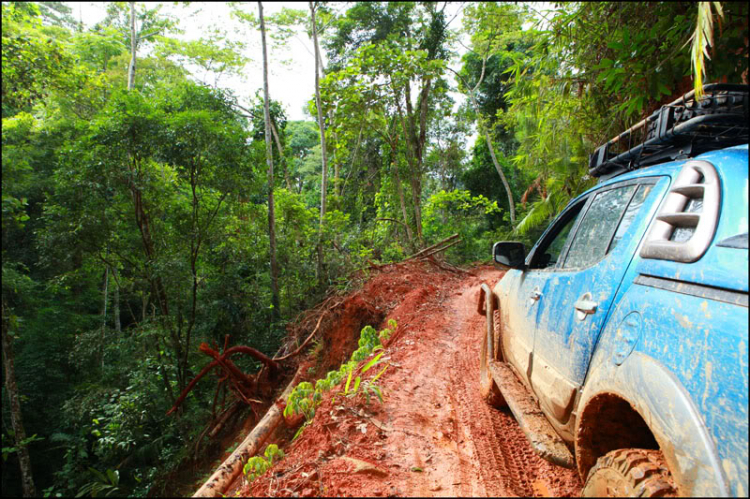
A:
x: 519, y: 321
x: 525, y: 290
x: 580, y: 290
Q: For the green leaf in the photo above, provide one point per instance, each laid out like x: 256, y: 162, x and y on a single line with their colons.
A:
x: 348, y: 381
x: 98, y: 474
x: 380, y: 373
x: 372, y: 362
x: 377, y: 392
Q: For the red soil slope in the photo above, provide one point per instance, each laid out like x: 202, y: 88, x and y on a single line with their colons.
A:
x: 433, y: 435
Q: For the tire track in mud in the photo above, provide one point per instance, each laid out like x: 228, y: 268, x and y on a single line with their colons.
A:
x: 503, y: 457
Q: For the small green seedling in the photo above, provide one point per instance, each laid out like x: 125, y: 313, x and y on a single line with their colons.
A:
x: 305, y: 398
x: 257, y: 465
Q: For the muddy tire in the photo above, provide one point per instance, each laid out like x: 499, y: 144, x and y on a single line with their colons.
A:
x: 630, y: 473
x: 487, y: 386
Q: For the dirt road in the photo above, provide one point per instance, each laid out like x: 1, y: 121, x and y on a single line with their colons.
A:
x: 433, y: 435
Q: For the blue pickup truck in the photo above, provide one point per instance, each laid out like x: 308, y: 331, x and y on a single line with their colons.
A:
x: 620, y: 340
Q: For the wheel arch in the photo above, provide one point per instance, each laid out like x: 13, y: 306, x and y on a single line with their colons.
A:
x: 643, y: 390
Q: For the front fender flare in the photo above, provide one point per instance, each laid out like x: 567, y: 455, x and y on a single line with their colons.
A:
x: 664, y: 404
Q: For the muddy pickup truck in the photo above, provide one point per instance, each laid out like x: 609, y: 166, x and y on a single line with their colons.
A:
x: 620, y: 340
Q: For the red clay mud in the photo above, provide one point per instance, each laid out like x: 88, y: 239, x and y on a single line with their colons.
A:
x: 433, y: 435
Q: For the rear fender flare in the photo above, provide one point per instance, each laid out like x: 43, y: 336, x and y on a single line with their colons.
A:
x: 665, y: 406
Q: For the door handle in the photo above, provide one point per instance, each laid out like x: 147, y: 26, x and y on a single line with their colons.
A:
x: 585, y: 306
x: 535, y: 295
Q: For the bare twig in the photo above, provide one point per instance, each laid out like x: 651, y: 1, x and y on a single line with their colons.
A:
x: 304, y: 343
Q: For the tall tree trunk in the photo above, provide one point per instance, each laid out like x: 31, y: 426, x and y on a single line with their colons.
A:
x: 336, y: 168
x: 105, y: 292
x: 499, y: 169
x: 399, y: 188
x: 415, y: 174
x: 269, y: 161
x: 324, y: 155
x: 27, y: 480
x: 400, y: 191
x: 488, y: 138
x: 116, y: 304
x: 133, y: 46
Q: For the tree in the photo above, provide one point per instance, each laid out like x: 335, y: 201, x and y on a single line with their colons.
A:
x: 24, y: 460
x: 133, y: 48
x: 322, y: 128
x: 403, y: 44
x: 269, y: 162
x: 494, y: 29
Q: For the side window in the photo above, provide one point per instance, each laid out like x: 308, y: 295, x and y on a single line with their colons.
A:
x: 635, y: 205
x: 550, y: 249
x: 598, y: 226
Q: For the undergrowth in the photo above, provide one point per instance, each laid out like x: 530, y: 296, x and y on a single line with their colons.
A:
x: 305, y: 398
x: 257, y: 465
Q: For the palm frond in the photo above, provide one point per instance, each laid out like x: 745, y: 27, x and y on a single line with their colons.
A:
x: 701, y: 39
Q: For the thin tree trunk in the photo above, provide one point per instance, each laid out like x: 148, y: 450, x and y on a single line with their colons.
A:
x: 352, y: 161
x: 336, y: 168
x: 24, y: 460
x: 133, y: 46
x: 269, y: 161
x: 499, y: 169
x: 116, y: 304
x: 488, y: 138
x: 283, y: 159
x: 415, y: 177
x: 400, y: 190
x: 324, y: 155
x: 104, y: 310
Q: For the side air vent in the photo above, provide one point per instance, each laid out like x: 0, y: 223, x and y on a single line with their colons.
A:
x: 688, y: 217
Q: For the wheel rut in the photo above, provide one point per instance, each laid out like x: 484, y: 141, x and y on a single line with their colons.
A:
x: 503, y: 457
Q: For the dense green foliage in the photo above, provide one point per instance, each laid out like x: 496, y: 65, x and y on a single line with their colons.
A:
x: 135, y: 222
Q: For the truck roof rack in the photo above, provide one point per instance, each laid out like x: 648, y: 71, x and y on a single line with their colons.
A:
x: 684, y: 128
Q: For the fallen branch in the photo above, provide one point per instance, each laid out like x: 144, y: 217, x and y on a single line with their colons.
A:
x: 228, y: 365
x: 190, y: 386
x: 304, y: 343
x: 223, y: 418
x: 445, y: 266
x: 271, y: 363
x: 232, y: 467
x: 215, y: 425
x: 438, y: 250
x: 440, y: 243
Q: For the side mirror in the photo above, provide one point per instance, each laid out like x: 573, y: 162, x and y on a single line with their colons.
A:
x: 510, y: 254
